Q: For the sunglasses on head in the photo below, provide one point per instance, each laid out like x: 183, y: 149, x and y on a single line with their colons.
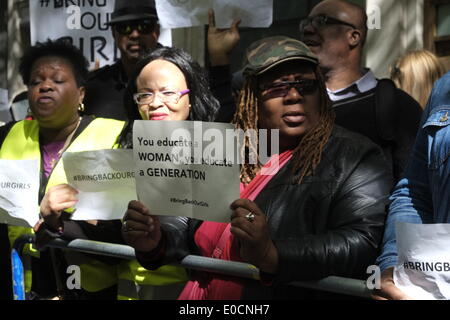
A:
x: 142, y: 27
x: 281, y: 89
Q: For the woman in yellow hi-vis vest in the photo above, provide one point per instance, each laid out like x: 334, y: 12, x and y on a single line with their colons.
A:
x: 55, y: 73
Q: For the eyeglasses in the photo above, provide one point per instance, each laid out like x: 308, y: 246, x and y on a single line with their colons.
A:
x: 127, y: 28
x: 321, y: 20
x: 166, y: 96
x: 281, y: 89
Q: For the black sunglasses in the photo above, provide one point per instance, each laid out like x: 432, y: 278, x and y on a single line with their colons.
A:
x: 281, y: 89
x: 127, y: 28
x: 321, y: 20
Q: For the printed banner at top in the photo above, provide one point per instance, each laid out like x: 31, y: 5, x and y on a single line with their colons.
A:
x: 83, y: 23
x: 189, y: 13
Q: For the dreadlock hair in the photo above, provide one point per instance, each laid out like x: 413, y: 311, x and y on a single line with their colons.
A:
x: 307, y: 154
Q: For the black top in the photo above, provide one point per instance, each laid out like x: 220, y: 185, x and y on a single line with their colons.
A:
x: 330, y: 224
x: 104, y: 92
x: 386, y: 115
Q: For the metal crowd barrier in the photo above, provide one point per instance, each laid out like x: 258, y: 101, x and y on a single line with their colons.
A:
x: 333, y: 284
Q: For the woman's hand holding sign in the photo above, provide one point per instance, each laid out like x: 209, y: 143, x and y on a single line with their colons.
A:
x: 57, y: 199
x: 249, y: 225
x: 141, y: 230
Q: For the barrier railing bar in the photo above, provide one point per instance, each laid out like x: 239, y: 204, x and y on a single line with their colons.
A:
x: 239, y: 269
x: 339, y: 285
x: 95, y: 247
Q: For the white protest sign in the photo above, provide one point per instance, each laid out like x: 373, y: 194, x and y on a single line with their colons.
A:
x: 19, y: 189
x: 185, y: 168
x: 189, y: 13
x: 83, y: 23
x: 423, y: 269
x: 105, y: 181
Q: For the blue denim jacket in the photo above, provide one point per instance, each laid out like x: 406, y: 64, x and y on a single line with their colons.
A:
x: 423, y: 195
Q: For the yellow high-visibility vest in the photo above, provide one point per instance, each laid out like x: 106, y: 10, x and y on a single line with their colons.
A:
x: 138, y: 283
x: 22, y: 142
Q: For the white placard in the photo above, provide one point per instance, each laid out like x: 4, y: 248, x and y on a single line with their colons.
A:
x: 186, y: 168
x: 423, y: 269
x: 105, y: 181
x: 189, y: 13
x: 84, y: 24
x: 19, y: 189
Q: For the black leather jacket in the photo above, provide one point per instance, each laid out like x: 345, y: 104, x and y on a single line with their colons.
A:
x: 331, y: 224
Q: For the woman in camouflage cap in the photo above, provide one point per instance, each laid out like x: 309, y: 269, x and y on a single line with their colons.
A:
x: 318, y: 210
x: 264, y: 61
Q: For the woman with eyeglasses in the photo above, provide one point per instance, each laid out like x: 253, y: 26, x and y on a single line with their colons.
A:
x: 167, y: 84
x: 315, y: 209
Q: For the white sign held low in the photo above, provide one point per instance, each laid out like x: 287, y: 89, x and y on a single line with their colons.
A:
x: 105, y: 181
x: 423, y: 270
x: 182, y: 168
x: 19, y: 189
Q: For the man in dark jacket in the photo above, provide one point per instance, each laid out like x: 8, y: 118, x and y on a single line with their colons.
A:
x: 135, y: 30
x: 336, y: 31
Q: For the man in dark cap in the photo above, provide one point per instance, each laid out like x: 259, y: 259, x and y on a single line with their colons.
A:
x: 135, y: 30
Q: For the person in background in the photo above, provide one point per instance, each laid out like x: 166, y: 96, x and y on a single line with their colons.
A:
x: 416, y: 72
x: 422, y: 195
x: 336, y: 32
x: 320, y: 212
x: 220, y: 43
x: 55, y: 73
x: 135, y: 30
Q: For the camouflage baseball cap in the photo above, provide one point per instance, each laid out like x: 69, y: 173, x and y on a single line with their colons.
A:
x: 269, y: 52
